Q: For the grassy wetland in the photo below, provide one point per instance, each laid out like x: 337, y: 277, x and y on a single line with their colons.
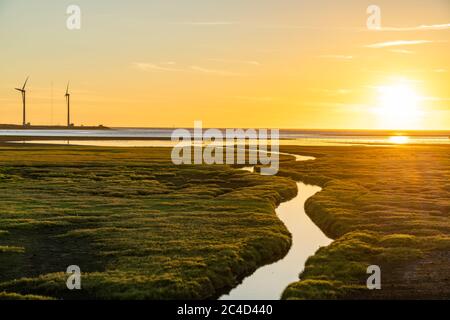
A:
x: 141, y: 228
x: 386, y: 206
x: 138, y: 226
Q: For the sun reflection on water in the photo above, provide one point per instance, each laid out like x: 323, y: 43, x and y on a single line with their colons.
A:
x: 399, y: 139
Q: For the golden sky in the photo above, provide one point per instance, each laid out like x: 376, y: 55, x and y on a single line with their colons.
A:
x: 234, y: 63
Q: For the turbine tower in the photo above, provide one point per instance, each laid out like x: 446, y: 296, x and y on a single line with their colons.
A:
x: 67, y: 95
x: 23, y: 92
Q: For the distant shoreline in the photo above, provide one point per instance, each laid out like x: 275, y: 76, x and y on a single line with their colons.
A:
x: 44, y: 127
x: 321, y: 132
x: 82, y: 138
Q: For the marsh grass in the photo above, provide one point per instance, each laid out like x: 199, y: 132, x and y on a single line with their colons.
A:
x: 138, y: 226
x: 384, y: 206
x: 142, y: 228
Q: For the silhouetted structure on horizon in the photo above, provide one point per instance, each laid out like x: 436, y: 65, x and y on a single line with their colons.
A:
x: 67, y: 95
x: 23, y: 91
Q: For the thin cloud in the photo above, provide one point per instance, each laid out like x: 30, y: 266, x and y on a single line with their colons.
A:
x: 402, y: 51
x: 335, y: 28
x: 412, y: 71
x: 398, y: 43
x: 144, y: 66
x: 444, y: 26
x: 431, y: 27
x: 213, y: 71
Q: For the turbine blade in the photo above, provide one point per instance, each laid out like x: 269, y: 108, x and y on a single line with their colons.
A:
x: 23, y: 88
x: 18, y: 89
x: 67, y: 89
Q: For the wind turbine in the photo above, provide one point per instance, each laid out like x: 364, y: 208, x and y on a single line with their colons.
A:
x: 67, y: 95
x: 23, y: 91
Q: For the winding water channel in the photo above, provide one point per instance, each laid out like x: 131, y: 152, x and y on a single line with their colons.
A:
x: 268, y: 282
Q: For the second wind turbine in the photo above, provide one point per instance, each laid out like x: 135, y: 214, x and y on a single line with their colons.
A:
x: 23, y: 92
x: 67, y: 95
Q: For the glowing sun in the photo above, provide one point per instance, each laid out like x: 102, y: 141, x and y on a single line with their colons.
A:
x: 398, y: 107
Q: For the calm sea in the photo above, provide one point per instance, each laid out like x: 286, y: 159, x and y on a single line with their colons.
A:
x: 135, y: 136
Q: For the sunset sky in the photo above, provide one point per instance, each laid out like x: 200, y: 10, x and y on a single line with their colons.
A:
x: 230, y: 63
